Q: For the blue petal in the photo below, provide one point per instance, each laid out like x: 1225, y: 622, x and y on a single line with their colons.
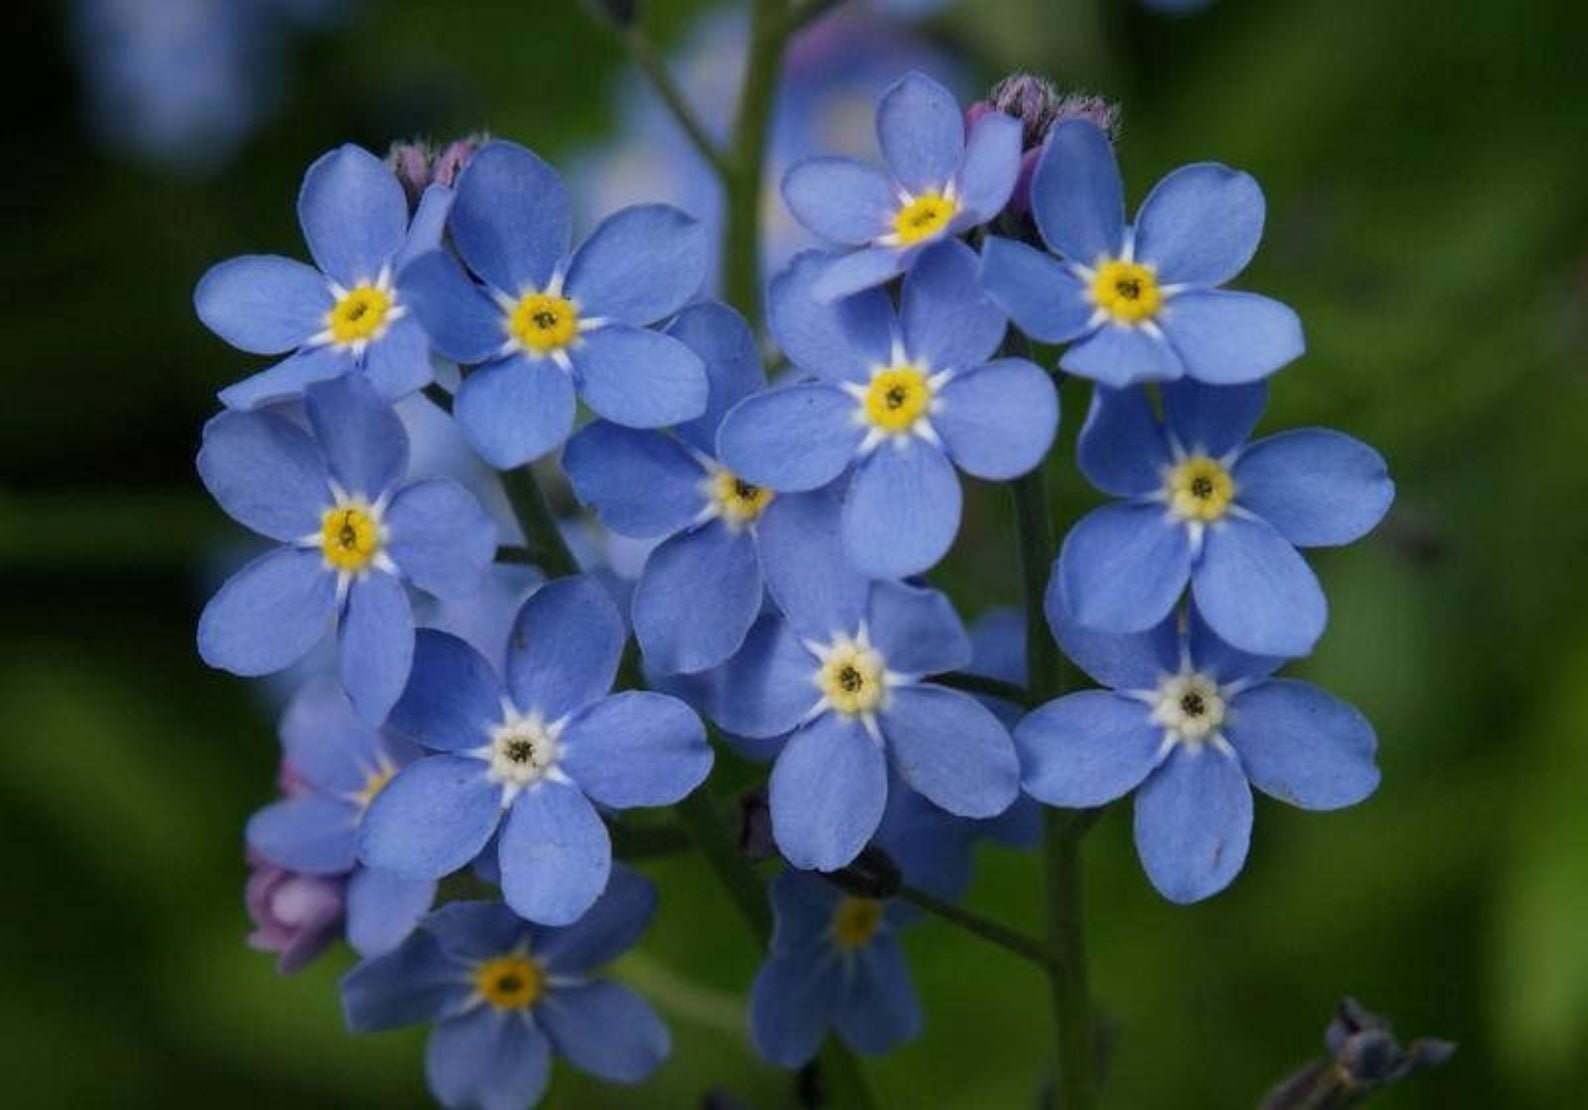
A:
x: 1229, y: 338
x: 1123, y: 567
x: 639, y: 378
x: 793, y: 1001
x: 453, y: 699
x: 998, y: 420
x: 362, y: 436
x: 828, y: 789
x: 1039, y: 293
x: 1212, y: 420
x: 383, y: 909
x: 462, y: 322
x: 611, y: 927
x: 901, y: 511
x: 803, y: 905
x: 354, y: 214
x: 262, y: 303
x: 951, y: 749
x: 432, y: 818
x: 879, y: 1011
x: 1122, y: 660
x: 1194, y: 823
x: 266, y: 473
x: 798, y: 437
x: 697, y: 597
x: 1213, y: 657
x: 1317, y: 487
x: 555, y: 854
x: 807, y: 572
x: 948, y: 322
x: 411, y: 985
x: 1120, y: 356
x: 428, y: 227
x: 1256, y: 592
x: 916, y: 629
x: 398, y: 363
x: 440, y: 537
x: 636, y: 748
x: 922, y: 132
x: 858, y: 271
x: 841, y: 199
x: 311, y: 833
x: 288, y: 378
x: 727, y: 347
x: 934, y: 849
x: 473, y: 931
x: 640, y: 483
x: 269, y: 614
x: 323, y: 742
x: 605, y: 1030
x: 991, y: 167
x: 641, y: 264
x: 1200, y: 225
x: 510, y: 218
x: 998, y: 645
x: 1076, y: 195
x: 766, y: 689
x: 1122, y: 449
x: 565, y: 648
x: 516, y: 410
x: 1302, y: 745
x: 487, y: 1059
x: 1087, y: 749
x: 840, y: 341
x: 376, y: 644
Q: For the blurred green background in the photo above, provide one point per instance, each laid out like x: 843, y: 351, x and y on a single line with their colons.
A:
x: 1426, y: 173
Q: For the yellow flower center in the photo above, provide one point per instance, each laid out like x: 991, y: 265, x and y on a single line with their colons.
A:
x: 1127, y: 291
x: 852, y: 678
x: 375, y: 782
x: 349, y: 536
x: 358, y: 315
x: 897, y: 398
x: 509, y: 982
x: 543, y: 323
x: 923, y: 217
x: 1189, y: 706
x: 1200, y: 489
x: 855, y: 922
x: 738, y: 502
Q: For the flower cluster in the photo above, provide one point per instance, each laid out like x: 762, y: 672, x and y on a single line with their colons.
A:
x: 784, y: 597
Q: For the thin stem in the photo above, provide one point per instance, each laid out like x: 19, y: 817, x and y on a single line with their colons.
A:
x: 984, y: 685
x: 1011, y: 940
x: 741, y: 241
x: 649, y: 841
x: 542, y: 538
x: 655, y: 69
x: 438, y: 396
x: 701, y: 817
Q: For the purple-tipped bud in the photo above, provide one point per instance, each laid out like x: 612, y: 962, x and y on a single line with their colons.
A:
x: 296, y: 916
x: 1029, y: 99
x: 1038, y: 106
x: 1364, y: 1056
x: 1101, y: 112
x: 755, y: 826
x: 411, y: 163
x: 453, y: 157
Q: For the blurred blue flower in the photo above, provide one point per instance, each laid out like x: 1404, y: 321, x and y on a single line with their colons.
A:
x: 545, y: 324
x: 1203, y: 506
x: 897, y: 403
x: 940, y: 182
x: 352, y: 532
x: 534, y: 755
x: 1141, y: 302
x: 505, y: 996
x: 1187, y: 723
x: 350, y: 313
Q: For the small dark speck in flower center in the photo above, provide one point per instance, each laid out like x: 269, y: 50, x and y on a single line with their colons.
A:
x: 743, y: 490
x: 896, y: 397
x: 1202, y: 487
x: 1192, y: 705
x: 520, y: 751
x: 1129, y: 288
x: 347, y: 535
x: 545, y: 319
x: 509, y: 984
x: 356, y: 310
x: 850, y: 680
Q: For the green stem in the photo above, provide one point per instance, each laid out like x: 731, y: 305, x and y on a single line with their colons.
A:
x: 770, y: 27
x: 985, y: 686
x: 1011, y: 940
x: 711, y: 834
x: 542, y: 538
x: 651, y: 63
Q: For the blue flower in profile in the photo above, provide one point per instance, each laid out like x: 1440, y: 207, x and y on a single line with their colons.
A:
x: 1141, y: 302
x: 505, y: 996
x: 898, y: 403
x: 835, y: 962
x: 534, y: 756
x: 1201, y: 505
x: 336, y: 765
x: 842, y: 678
x: 350, y: 313
x: 544, y: 324
x: 352, y: 533
x: 1188, y: 723
x: 940, y: 182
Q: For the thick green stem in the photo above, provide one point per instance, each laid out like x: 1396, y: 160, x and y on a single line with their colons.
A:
x: 542, y: 538
x: 741, y: 241
x: 993, y: 932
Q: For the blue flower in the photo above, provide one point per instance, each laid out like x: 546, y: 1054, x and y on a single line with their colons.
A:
x: 545, y: 324
x: 899, y: 402
x: 1187, y: 724
x: 353, y: 312
x: 531, y: 756
x: 505, y: 995
x: 352, y: 532
x: 1205, y: 507
x: 835, y: 962
x: 337, y: 764
x: 841, y: 679
x: 1140, y: 302
x: 940, y: 183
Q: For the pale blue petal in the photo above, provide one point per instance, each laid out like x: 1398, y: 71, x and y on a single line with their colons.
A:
x: 1212, y: 420
x: 311, y: 833
x: 998, y: 420
x: 1318, y: 488
x: 793, y: 438
x: 841, y: 199
x: 807, y: 572
x: 1256, y: 592
x: 1120, y: 356
x: 948, y: 322
x: 565, y: 648
x: 453, y: 699
x: 1227, y: 338
x: 323, y: 742
x: 486, y: 1059
x: 1122, y: 567
x: 1302, y: 745
x: 288, y: 378
x: 1076, y: 195
x: 516, y: 410
x: 916, y: 629
x: 1087, y: 749
x: 640, y: 483
x: 636, y: 748
x: 827, y: 790
x: 1122, y: 449
x: 398, y: 363
x: 262, y: 303
x: 992, y: 165
x: 639, y: 378
x: 428, y: 227
x: 440, y: 538
x: 269, y: 614
x: 462, y: 322
x: 697, y: 597
x: 384, y: 908
x: 1122, y: 660
x: 793, y: 1001
x: 879, y: 1011
x: 362, y: 436
x: 1200, y: 225
x: 766, y: 690
x: 605, y: 1030
x: 611, y: 927
x: 266, y: 473
x: 901, y: 511
x: 1194, y: 823
x: 555, y: 854
x: 1213, y: 657
x: 951, y: 749
x: 922, y: 132
x: 354, y: 214
x: 840, y: 341
x: 732, y: 358
x: 639, y: 265
x: 510, y: 218
x: 376, y: 644
x: 858, y: 271
x: 1039, y: 293
x: 432, y: 818
x: 803, y: 904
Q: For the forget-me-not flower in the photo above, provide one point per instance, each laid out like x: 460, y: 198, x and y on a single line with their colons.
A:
x: 533, y: 755
x: 1140, y: 302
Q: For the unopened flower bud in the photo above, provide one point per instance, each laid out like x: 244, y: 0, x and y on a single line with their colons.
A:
x: 1029, y: 99
x: 410, y: 161
x: 755, y: 826
x: 873, y: 874
x: 453, y: 157
x: 1365, y: 1056
x: 296, y: 916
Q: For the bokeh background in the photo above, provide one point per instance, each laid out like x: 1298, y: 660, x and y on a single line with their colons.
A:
x: 1425, y: 167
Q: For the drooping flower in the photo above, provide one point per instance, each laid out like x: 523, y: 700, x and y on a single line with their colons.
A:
x: 898, y: 402
x: 1190, y: 725
x: 534, y: 756
x: 842, y: 678
x: 940, y: 182
x: 505, y: 996
x: 1203, y: 506
x: 544, y: 325
x: 352, y: 533
x: 1141, y: 302
x: 351, y: 310
x: 337, y: 765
